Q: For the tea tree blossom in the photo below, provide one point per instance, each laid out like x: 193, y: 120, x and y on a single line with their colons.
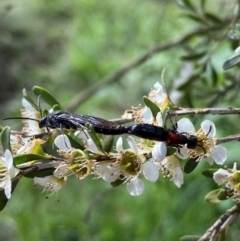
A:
x: 31, y: 128
x: 206, y: 144
x: 51, y: 184
x: 231, y: 179
x: 7, y: 172
x: 169, y: 165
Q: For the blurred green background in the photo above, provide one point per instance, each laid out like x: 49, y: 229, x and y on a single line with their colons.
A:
x: 70, y: 46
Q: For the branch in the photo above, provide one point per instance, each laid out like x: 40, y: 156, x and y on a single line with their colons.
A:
x: 228, y: 139
x: 216, y: 227
x: 117, y: 75
x: 202, y: 111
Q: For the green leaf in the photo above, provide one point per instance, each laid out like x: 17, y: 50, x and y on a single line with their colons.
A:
x: 107, y: 143
x: 165, y: 116
x: 212, y: 196
x: 171, y: 150
x: 209, y: 172
x: 152, y: 106
x: 190, y: 238
x: 190, y: 165
x: 5, y: 138
x: 57, y: 107
x: 213, y: 19
x: 231, y: 62
x: 23, y: 158
x: 225, y: 194
x: 214, y: 75
x: 187, y: 5
x: 203, y: 2
x: 46, y: 96
x: 195, y: 18
x: 74, y: 143
x: 40, y: 173
x: 194, y: 56
x: 3, y: 198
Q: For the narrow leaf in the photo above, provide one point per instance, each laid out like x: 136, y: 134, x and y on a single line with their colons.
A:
x: 22, y: 158
x: 209, y: 172
x: 187, y: 5
x: 5, y: 138
x: 231, y: 62
x: 45, y: 95
x: 74, y: 143
x: 212, y: 196
x: 40, y: 173
x: 195, y: 56
x: 151, y: 105
x: 107, y: 143
x: 213, y: 19
x: 190, y: 165
x: 190, y: 238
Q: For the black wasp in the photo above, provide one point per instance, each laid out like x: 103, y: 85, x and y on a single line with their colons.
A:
x: 66, y: 120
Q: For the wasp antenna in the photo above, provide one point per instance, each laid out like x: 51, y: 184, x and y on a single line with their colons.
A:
x: 20, y: 118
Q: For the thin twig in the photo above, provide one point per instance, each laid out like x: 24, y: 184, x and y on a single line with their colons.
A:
x: 228, y: 139
x: 216, y: 227
x: 117, y: 75
x: 202, y: 111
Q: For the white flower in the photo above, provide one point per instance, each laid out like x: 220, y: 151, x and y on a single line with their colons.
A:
x: 129, y: 165
x: 222, y: 176
x: 51, y: 183
x: 158, y: 94
x: 32, y: 127
x: 231, y: 179
x: 170, y: 166
x: 7, y: 172
x: 147, y: 117
x: 205, y: 141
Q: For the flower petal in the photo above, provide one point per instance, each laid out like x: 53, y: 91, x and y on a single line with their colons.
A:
x: 27, y: 105
x: 147, y: 116
x: 178, y: 177
x: 221, y: 176
x: 185, y: 125
x: 219, y: 154
x: 108, y: 172
x: 159, y: 152
x: 8, y: 187
x: 150, y: 171
x: 62, y: 142
x: 13, y: 172
x: 119, y: 145
x: 208, y: 128
x: 135, y: 187
x: 160, y: 94
x: 8, y: 159
x: 132, y: 144
x: 159, y: 119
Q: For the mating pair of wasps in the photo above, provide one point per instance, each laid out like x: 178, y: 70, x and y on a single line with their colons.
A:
x: 65, y: 120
